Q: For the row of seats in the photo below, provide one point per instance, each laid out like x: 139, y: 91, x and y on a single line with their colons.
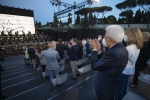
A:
x: 63, y: 77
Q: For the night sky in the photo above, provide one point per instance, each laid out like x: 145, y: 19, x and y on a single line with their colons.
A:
x: 43, y: 9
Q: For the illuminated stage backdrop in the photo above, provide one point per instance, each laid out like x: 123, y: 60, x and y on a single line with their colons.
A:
x: 16, y: 23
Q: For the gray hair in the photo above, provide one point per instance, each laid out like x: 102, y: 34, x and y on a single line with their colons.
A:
x: 115, y: 32
x: 146, y: 35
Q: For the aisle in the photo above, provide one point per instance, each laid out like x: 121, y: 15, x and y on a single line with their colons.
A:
x: 21, y: 82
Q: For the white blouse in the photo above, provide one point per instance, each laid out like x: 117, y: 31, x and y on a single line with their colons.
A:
x: 133, y: 53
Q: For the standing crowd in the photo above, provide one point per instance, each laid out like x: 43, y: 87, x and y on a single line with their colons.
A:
x: 115, y: 57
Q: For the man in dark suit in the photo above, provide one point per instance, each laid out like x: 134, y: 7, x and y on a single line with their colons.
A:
x: 60, y: 48
x: 109, y: 67
x: 73, y: 52
x: 31, y: 53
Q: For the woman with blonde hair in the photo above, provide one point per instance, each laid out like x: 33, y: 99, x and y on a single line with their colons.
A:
x: 133, y: 37
x: 142, y: 59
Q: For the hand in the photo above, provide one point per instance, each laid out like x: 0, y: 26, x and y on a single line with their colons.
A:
x: 98, y: 45
x: 93, y: 44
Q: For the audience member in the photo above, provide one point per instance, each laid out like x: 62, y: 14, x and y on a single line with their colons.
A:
x: 52, y: 57
x: 84, y: 47
x: 80, y: 53
x: 73, y: 51
x: 60, y: 48
x: 109, y: 67
x: 43, y: 60
x: 26, y: 56
x: 87, y: 47
x: 100, y: 41
x: 133, y: 37
x: 37, y: 60
x: 141, y: 61
x: 32, y: 56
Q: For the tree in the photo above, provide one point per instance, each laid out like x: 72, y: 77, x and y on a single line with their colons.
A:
x: 83, y: 12
x: 103, y: 10
x: 36, y: 24
x: 60, y: 23
x: 128, y: 15
x: 77, y: 20
x: 84, y: 23
x: 137, y: 17
x: 145, y: 4
x: 69, y: 18
x: 112, y: 19
x: 55, y: 21
x: 125, y: 6
x: 105, y: 20
x: 47, y: 24
x: 95, y: 19
x: 40, y: 24
x: 91, y: 18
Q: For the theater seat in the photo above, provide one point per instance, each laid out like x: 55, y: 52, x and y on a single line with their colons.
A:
x: 132, y: 96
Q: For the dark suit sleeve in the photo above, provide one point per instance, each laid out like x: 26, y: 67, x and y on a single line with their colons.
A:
x: 102, y: 63
x: 70, y: 50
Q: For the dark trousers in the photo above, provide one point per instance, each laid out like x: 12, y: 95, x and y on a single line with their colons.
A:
x: 136, y: 74
x: 0, y: 84
x: 43, y: 68
x: 122, y: 90
x: 135, y: 78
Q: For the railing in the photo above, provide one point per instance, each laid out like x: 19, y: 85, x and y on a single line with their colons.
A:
x: 141, y: 26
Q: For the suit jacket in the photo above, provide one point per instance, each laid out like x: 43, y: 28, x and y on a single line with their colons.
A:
x: 109, y: 69
x: 87, y: 45
x: 31, y: 53
x: 73, y: 52
x: 80, y: 53
x: 52, y: 58
x: 60, y: 48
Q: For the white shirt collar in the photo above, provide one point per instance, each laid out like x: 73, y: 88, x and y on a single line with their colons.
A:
x: 112, y: 46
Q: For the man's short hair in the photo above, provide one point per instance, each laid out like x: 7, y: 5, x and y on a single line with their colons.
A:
x: 146, y: 35
x: 59, y: 40
x: 75, y: 40
x: 116, y: 32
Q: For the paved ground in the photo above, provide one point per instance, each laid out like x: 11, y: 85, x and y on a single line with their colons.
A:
x: 21, y: 82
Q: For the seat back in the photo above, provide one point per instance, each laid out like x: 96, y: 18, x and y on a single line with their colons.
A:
x: 85, y: 60
x: 148, y: 62
x: 67, y: 57
x: 46, y: 72
x: 87, y: 68
x: 61, y: 68
x: 62, y: 61
x: 79, y: 62
x: 61, y: 78
x: 144, y: 77
x: 132, y: 96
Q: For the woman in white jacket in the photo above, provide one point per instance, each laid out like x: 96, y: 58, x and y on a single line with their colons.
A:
x: 133, y: 37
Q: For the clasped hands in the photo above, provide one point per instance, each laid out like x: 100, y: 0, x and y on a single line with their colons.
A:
x: 94, y: 44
